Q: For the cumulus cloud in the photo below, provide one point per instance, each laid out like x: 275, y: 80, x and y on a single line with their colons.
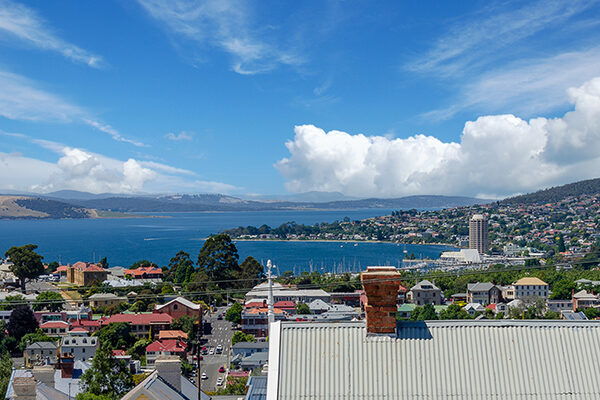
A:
x: 25, y: 25
x: 497, y: 155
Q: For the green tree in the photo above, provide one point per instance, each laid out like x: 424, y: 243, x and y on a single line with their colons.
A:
x: 250, y: 272
x: 108, y: 376
x: 6, y: 365
x: 138, y: 350
x: 52, y: 301
x: 167, y: 289
x: 178, y: 267
x: 424, y: 313
x: 103, y: 263
x: 26, y: 263
x: 53, y: 266
x: 234, y: 313
x: 560, y: 244
x: 563, y: 289
x: 91, y: 396
x: 21, y: 322
x: 239, y: 336
x: 219, y: 259
x: 454, y: 311
x: 302, y: 308
x: 235, y: 386
x: 10, y: 302
x: 185, y: 323
x: 116, y: 335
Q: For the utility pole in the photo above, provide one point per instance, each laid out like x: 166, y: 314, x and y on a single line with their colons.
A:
x: 198, y: 352
x: 271, y: 314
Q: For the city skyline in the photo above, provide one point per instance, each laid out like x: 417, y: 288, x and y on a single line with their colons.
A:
x: 485, y: 99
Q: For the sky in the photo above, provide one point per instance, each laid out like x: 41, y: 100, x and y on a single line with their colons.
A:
x: 253, y: 98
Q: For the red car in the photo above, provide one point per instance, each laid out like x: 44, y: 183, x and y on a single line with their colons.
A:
x: 222, y: 369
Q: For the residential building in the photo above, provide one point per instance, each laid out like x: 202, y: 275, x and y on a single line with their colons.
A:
x: 39, y: 353
x: 166, y: 382
x: 81, y: 347
x: 286, y: 306
x: 583, y: 299
x: 483, y: 293
x: 179, y: 307
x: 172, y: 334
x: 281, y: 292
x: 478, y: 233
x: 86, y: 274
x: 382, y: 358
x: 170, y: 347
x: 104, y: 300
x: 55, y: 328
x: 247, y: 348
x: 530, y: 287
x: 423, y: 293
x: 143, y: 325
x: 89, y: 325
x: 498, y: 308
x: 474, y: 308
x: 151, y: 272
x: 559, y: 305
x: 254, y: 361
x: 255, y: 321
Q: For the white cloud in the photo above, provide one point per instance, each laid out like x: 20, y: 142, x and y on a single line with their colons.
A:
x: 182, y: 136
x: 25, y: 25
x: 223, y: 24
x: 21, y: 100
x: 498, y: 155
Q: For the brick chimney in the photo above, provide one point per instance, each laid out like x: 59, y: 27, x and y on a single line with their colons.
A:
x: 67, y: 364
x: 381, y: 288
x: 169, y: 369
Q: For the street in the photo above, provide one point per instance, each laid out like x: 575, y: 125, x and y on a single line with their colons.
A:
x: 221, y: 335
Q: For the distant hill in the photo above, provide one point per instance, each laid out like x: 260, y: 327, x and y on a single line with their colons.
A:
x: 558, y: 193
x: 21, y: 207
x: 218, y: 202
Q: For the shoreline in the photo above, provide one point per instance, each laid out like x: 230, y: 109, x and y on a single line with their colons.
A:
x: 343, y: 241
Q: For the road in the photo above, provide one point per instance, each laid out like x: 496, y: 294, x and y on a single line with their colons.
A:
x: 221, y: 335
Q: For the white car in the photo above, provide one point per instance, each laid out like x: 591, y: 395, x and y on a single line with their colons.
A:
x: 211, y: 351
x: 219, y: 381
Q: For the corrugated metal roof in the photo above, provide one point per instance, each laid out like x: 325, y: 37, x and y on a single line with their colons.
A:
x: 257, y: 388
x: 485, y: 359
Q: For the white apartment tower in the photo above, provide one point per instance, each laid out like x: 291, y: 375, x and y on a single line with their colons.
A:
x: 478, y: 233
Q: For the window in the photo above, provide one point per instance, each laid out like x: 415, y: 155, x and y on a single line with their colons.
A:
x: 175, y: 306
x: 83, y: 350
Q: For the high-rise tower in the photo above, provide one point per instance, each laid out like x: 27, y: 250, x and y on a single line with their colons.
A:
x: 478, y: 233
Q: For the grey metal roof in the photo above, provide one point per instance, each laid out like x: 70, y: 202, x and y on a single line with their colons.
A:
x: 487, y: 359
x: 425, y: 285
x: 41, y: 346
x: 257, y: 388
x: 251, y: 345
x: 480, y: 286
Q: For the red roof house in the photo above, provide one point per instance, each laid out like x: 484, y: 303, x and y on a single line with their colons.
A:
x: 151, y: 272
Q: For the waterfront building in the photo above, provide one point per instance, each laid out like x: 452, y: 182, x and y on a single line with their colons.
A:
x: 478, y: 233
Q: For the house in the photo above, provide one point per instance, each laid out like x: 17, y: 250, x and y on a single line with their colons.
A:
x: 55, y: 328
x: 179, y: 307
x: 498, y: 308
x: 104, y: 300
x: 166, y: 382
x: 86, y: 274
x: 151, y: 272
x: 170, y: 347
x: 583, y: 299
x: 286, y: 305
x: 425, y: 292
x: 281, y: 292
x: 172, y: 334
x: 89, y: 325
x: 255, y: 320
x: 318, y: 306
x: 39, y: 353
x: 382, y: 358
x: 247, y: 348
x: 254, y: 361
x: 256, y: 388
x: 473, y: 308
x: 483, y: 293
x: 81, y: 347
x: 530, y: 287
x: 559, y: 305
x: 143, y: 325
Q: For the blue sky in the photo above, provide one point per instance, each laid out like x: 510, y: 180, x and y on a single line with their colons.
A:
x: 368, y: 99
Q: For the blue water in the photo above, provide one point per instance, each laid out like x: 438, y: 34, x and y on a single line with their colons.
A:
x: 124, y: 241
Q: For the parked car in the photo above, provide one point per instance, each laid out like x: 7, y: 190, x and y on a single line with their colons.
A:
x: 219, y: 381
x: 204, y: 350
x: 211, y: 351
x: 222, y: 369
x: 204, y: 376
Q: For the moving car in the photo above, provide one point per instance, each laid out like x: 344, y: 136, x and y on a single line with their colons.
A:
x: 222, y: 369
x: 204, y: 376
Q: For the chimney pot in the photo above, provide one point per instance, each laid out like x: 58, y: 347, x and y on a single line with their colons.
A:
x: 381, y: 286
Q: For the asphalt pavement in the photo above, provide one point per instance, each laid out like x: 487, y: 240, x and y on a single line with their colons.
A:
x: 221, y: 335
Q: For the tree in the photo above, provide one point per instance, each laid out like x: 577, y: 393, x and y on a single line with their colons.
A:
x: 6, y: 369
x: 454, y: 311
x: 234, y: 313
x: 563, y: 289
x: 10, y: 302
x: 219, y: 258
x: 185, y: 323
x: 116, y: 335
x: 53, y: 266
x: 239, y: 336
x: 103, y: 263
x: 108, y: 376
x: 90, y: 396
x: 250, y: 272
x: 425, y: 313
x: 139, y: 348
x: 21, y: 322
x: 302, y: 308
x: 178, y: 267
x: 52, y: 301
x: 26, y: 263
x: 560, y: 244
x: 167, y: 289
